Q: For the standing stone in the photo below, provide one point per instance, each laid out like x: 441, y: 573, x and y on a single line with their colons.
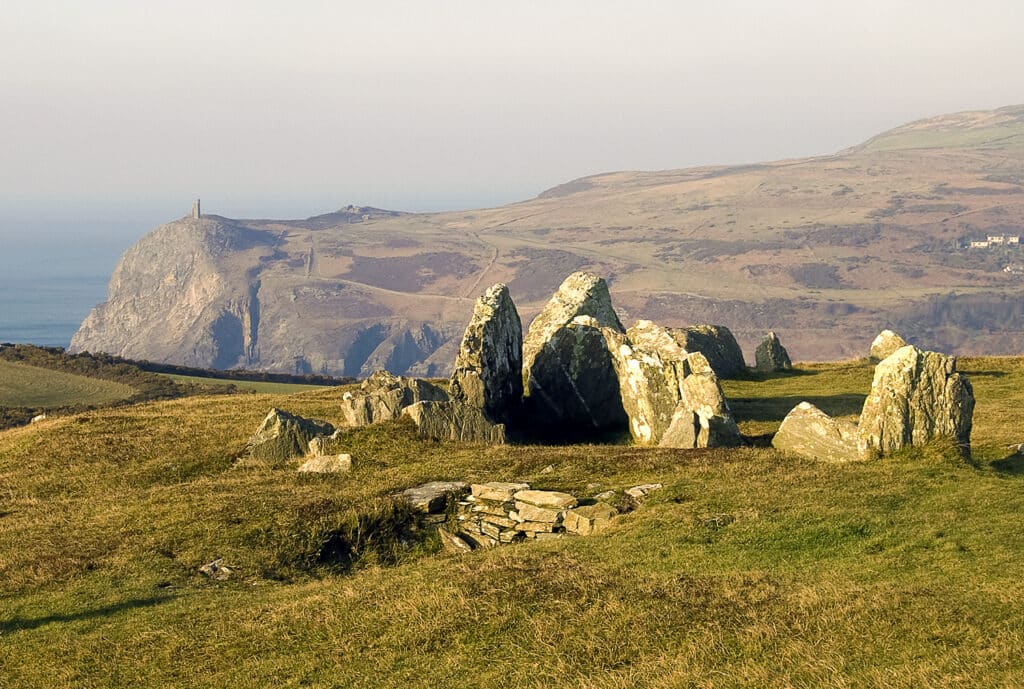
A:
x: 573, y: 383
x: 383, y: 396
x: 809, y: 433
x: 649, y: 386
x: 886, y: 344
x: 282, y: 436
x: 488, y: 367
x: 771, y: 356
x: 717, y: 344
x: 581, y: 294
x: 702, y: 418
x: 916, y: 396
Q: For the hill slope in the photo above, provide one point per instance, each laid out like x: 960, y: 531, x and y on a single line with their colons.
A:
x: 826, y: 251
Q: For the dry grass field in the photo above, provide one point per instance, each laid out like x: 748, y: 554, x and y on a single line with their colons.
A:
x: 748, y: 569
x: 29, y: 386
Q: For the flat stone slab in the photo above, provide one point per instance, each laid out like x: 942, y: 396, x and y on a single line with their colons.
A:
x: 589, y: 519
x: 497, y: 491
x: 528, y: 513
x: 330, y: 464
x: 432, y: 497
x: 546, y: 498
x: 643, y: 490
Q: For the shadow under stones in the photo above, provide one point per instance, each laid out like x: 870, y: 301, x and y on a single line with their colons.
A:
x: 776, y: 408
x: 21, y: 623
x: 1014, y: 464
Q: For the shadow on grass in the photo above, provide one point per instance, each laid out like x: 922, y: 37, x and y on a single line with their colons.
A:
x: 21, y: 623
x: 776, y: 408
x: 1014, y: 464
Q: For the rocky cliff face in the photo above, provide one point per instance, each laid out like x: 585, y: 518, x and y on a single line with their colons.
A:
x: 823, y: 251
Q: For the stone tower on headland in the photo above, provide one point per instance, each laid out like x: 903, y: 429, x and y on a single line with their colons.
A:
x: 195, y: 210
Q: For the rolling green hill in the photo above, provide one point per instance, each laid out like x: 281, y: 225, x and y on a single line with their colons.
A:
x: 748, y: 569
x: 29, y: 386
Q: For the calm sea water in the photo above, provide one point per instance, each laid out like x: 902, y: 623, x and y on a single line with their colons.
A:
x: 47, y: 288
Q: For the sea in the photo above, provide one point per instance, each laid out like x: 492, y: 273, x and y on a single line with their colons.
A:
x: 47, y: 288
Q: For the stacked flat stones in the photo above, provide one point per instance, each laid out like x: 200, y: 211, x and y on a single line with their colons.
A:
x: 499, y: 513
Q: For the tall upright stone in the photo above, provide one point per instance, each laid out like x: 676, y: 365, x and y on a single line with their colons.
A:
x: 771, y: 356
x: 488, y: 367
x: 915, y: 396
x: 568, y: 376
x: 650, y: 367
x: 573, y: 382
x: 887, y: 342
x: 580, y: 294
x: 717, y: 344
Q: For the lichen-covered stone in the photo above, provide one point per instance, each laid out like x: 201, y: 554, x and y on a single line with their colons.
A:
x: 650, y: 381
x: 916, y: 396
x: 383, y: 396
x: 454, y: 420
x: 488, y: 367
x: 717, y: 344
x: 497, y: 491
x: 572, y: 381
x: 809, y: 433
x: 282, y: 436
x: 702, y: 417
x: 771, y: 356
x: 581, y: 294
x: 886, y: 344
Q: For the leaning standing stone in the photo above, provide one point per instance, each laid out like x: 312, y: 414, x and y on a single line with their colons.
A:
x: 488, y: 368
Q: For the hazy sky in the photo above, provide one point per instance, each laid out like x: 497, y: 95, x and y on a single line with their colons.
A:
x: 123, y: 111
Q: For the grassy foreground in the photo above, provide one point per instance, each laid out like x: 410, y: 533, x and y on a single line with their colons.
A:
x: 748, y: 569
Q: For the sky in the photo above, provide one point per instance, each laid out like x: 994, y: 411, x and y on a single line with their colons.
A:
x: 116, y: 114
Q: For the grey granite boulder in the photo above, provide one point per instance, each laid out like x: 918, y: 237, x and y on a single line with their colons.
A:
x: 809, y: 433
x: 771, y: 356
x: 581, y: 294
x: 383, y: 396
x: 916, y: 396
x: 717, y: 344
x: 488, y: 367
x: 283, y: 436
x: 573, y: 384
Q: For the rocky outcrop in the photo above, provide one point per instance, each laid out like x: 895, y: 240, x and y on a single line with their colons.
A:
x: 771, y: 356
x: 915, y: 396
x: 649, y: 385
x: 383, y: 396
x: 717, y: 344
x: 581, y: 294
x: 809, y: 433
x: 283, y: 436
x: 454, y: 420
x: 702, y: 417
x: 488, y: 368
x: 886, y: 344
x: 573, y: 384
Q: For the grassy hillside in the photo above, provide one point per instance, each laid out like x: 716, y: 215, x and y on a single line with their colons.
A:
x: 748, y: 569
x: 246, y: 385
x: 29, y: 386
